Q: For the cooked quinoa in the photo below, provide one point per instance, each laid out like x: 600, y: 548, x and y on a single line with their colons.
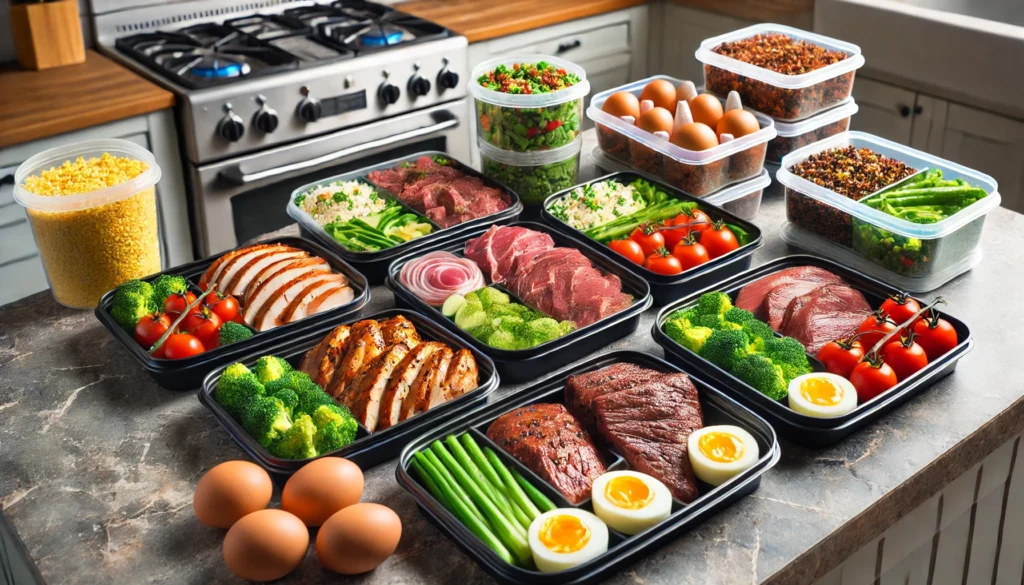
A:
x: 340, y: 201
x: 597, y: 204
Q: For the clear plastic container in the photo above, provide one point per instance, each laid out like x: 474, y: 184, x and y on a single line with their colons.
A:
x: 699, y: 173
x: 533, y: 175
x: 794, y: 135
x: 94, y: 241
x: 783, y: 97
x: 528, y: 122
x: 927, y: 254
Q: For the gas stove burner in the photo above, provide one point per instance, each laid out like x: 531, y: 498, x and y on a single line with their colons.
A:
x: 216, y: 66
x: 382, y: 36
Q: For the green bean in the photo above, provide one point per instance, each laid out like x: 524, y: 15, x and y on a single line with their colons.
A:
x: 516, y: 493
x: 542, y: 501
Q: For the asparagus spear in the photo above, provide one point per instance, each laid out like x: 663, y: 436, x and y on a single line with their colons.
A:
x: 542, y: 501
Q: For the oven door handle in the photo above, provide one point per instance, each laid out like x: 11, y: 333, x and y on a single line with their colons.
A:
x: 238, y: 177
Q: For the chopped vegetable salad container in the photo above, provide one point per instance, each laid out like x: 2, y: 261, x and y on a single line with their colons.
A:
x: 188, y: 373
x: 528, y: 122
x: 665, y: 288
x: 368, y: 449
x: 800, y: 428
x: 533, y: 175
x: 698, y: 173
x: 784, y: 97
x: 921, y: 257
x: 375, y: 264
x: 528, y: 364
x: 794, y: 135
x: 718, y: 409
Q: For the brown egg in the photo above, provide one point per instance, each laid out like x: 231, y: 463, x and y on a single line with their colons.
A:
x: 229, y: 491
x: 661, y: 92
x: 321, y: 488
x: 706, y: 109
x: 695, y: 136
x: 655, y: 120
x: 358, y: 538
x: 738, y: 123
x: 622, y: 103
x: 266, y: 545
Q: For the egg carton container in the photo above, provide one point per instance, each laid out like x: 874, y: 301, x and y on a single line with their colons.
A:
x: 368, y: 449
x: 667, y: 288
x: 528, y: 122
x: 905, y: 250
x: 188, y: 373
x: 718, y: 409
x: 786, y: 98
x: 800, y: 428
x: 533, y: 175
x: 375, y: 264
x: 699, y: 173
x: 523, y: 365
x: 794, y: 135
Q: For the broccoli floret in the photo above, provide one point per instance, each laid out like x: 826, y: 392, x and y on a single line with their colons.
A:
x: 310, y: 395
x: 694, y: 337
x: 759, y: 371
x: 502, y: 339
x: 132, y: 301
x: 739, y: 316
x: 336, y: 427
x: 789, y: 354
x: 232, y: 332
x: 482, y: 332
x: 758, y: 332
x: 299, y: 441
x: 512, y: 310
x: 491, y: 296
x: 725, y: 348
x: 289, y: 398
x: 266, y: 419
x: 166, y: 285
x: 545, y: 329
x: 269, y: 368
x: 714, y: 303
x: 236, y: 388
x: 710, y: 321
x: 676, y: 327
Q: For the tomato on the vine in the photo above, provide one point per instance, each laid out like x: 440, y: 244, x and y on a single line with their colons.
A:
x: 182, y: 345
x: 661, y: 262
x: 150, y: 328
x: 935, y: 335
x: 649, y: 239
x: 871, y: 378
x: 630, y: 249
x: 225, y: 306
x: 900, y: 308
x: 876, y: 326
x: 719, y: 240
x: 690, y: 253
x: 841, y: 356
x: 177, y: 303
x: 205, y: 325
x: 905, y: 357
x: 696, y: 217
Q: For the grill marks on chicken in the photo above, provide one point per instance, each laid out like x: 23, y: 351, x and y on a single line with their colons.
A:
x: 385, y: 373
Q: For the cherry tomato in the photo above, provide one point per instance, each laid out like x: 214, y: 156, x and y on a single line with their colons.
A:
x: 150, y: 328
x: 841, y: 356
x: 661, y: 262
x: 900, y: 308
x: 182, y: 345
x: 871, y: 379
x: 205, y: 325
x: 630, y: 249
x: 874, y: 328
x: 905, y: 357
x: 176, y: 303
x: 673, y: 235
x: 690, y: 253
x: 648, y: 238
x: 225, y: 306
x: 935, y: 335
x: 695, y: 216
x: 719, y: 240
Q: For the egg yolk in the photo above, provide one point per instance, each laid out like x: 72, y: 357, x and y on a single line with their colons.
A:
x: 564, y: 534
x: 821, y: 391
x: 721, y: 447
x: 626, y: 491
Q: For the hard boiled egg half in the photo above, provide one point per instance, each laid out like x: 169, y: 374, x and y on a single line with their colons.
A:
x: 822, y: 395
x: 565, y: 538
x: 629, y: 501
x: 717, y: 453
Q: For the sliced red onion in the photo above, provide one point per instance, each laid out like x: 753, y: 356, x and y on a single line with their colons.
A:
x: 438, y: 275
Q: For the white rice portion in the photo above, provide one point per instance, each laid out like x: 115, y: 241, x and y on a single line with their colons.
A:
x: 341, y: 201
x: 598, y: 204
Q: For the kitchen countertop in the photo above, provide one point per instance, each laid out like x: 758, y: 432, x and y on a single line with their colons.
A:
x: 98, y: 464
x: 39, y: 104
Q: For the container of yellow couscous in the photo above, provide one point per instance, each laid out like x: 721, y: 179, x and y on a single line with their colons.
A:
x: 92, y: 208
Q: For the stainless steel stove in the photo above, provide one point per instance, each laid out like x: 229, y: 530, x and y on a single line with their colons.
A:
x: 273, y: 94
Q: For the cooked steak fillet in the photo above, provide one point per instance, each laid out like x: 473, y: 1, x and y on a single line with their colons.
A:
x: 823, y: 315
x: 548, y: 440
x: 775, y: 303
x: 581, y: 389
x: 753, y: 295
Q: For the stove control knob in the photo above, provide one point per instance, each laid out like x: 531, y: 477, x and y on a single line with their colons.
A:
x: 231, y: 127
x: 388, y: 93
x: 448, y: 80
x: 310, y: 109
x: 265, y: 120
x: 419, y: 86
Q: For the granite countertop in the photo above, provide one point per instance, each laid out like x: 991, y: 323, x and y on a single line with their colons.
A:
x: 98, y: 463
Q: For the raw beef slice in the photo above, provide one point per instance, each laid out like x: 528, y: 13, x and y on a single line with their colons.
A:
x: 752, y: 296
x: 823, y: 315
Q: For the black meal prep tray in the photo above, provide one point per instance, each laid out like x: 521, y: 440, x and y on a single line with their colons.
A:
x: 375, y: 264
x: 368, y: 449
x: 796, y: 427
x: 718, y: 408
x: 187, y: 374
x: 527, y: 364
x: 664, y: 288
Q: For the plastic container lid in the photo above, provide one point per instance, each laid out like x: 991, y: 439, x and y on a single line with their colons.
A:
x: 706, y: 55
x: 913, y: 157
x: 532, y: 158
x: 55, y: 157
x: 843, y: 109
x: 534, y: 100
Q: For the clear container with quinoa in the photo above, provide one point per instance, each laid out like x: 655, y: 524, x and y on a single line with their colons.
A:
x: 784, y: 72
x: 93, y: 211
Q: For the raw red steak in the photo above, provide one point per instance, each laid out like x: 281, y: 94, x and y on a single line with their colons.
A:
x: 823, y: 315
x: 753, y: 296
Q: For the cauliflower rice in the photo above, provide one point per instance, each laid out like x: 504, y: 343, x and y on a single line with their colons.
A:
x: 340, y: 201
x: 597, y: 204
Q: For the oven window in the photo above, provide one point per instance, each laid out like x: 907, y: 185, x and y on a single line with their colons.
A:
x: 262, y: 210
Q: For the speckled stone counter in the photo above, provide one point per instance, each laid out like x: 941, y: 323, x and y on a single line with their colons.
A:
x: 98, y: 463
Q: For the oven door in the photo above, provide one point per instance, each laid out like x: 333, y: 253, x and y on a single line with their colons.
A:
x: 238, y: 199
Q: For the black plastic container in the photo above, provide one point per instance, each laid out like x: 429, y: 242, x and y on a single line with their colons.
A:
x: 187, y: 374
x: 528, y: 364
x: 718, y: 409
x: 375, y: 264
x: 664, y: 288
x: 368, y: 449
x: 796, y: 427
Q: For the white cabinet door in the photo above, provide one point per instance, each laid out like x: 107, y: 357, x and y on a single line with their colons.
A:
x: 682, y: 30
x: 991, y: 144
x: 885, y: 110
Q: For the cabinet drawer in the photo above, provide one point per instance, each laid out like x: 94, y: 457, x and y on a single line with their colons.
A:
x: 583, y: 45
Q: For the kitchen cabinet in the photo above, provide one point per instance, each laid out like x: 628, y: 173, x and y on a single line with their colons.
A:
x: 680, y: 32
x: 884, y: 110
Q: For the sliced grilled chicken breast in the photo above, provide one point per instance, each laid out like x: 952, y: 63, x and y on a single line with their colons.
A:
x: 402, y: 380
x: 242, y: 269
x: 272, y: 313
x: 365, y: 342
x: 399, y: 329
x: 463, y: 375
x: 261, y: 292
x: 364, y: 393
x: 331, y: 299
x: 215, y: 268
x: 428, y: 389
x: 296, y: 310
x: 311, y: 362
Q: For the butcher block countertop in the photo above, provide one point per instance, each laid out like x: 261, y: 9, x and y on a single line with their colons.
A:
x: 40, y: 104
